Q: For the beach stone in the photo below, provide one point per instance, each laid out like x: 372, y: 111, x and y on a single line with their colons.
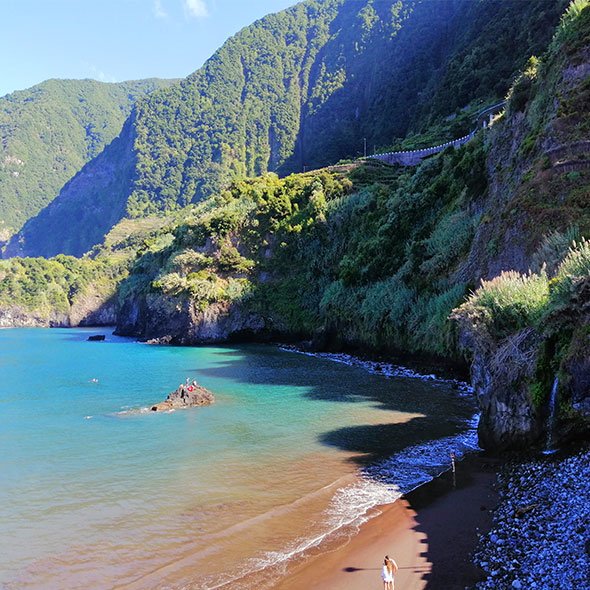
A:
x: 548, y: 546
x: 185, y: 397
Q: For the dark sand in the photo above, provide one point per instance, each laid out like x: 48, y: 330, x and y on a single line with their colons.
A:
x: 431, y: 533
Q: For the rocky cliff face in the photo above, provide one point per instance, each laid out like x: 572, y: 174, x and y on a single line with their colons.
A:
x: 538, y: 199
x: 19, y: 317
x: 87, y: 310
x: 500, y: 375
x: 514, y: 381
x: 181, y: 321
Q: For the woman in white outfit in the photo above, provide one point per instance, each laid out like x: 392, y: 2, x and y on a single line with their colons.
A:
x: 389, y: 568
x: 386, y: 575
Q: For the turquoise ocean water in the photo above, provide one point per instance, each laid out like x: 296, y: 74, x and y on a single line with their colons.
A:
x: 95, y: 492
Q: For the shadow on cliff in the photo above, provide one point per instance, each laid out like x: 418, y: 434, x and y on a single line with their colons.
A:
x: 374, y: 100
x: 414, y: 410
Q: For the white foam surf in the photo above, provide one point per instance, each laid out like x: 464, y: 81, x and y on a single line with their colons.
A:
x: 352, y: 505
x: 385, y: 369
x: 379, y: 484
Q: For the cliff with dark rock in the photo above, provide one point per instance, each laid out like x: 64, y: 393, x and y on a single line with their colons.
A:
x: 367, y: 255
x: 89, y: 310
x: 182, y: 321
x: 500, y: 375
x: 527, y: 333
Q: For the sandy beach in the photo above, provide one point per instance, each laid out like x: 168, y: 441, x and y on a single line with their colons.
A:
x: 431, y: 534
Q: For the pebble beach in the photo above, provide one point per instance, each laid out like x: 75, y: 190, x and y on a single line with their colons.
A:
x: 540, y: 537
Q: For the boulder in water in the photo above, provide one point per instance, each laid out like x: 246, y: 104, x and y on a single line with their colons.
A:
x: 96, y: 338
x: 186, y: 396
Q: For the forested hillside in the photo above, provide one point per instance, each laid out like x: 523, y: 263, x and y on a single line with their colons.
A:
x: 296, y: 90
x: 48, y: 132
x: 370, y: 255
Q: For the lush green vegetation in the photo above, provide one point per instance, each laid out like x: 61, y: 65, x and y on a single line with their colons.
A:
x: 526, y: 329
x: 552, y: 306
x: 49, y: 132
x: 368, y: 253
x: 377, y: 255
x: 48, y: 286
x: 574, y: 269
x: 303, y: 89
x: 486, y: 68
x: 509, y: 302
x: 277, y: 98
x: 365, y: 253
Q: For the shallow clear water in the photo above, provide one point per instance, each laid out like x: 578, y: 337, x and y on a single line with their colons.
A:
x: 95, y: 493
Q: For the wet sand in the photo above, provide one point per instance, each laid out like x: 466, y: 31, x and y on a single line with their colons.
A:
x: 431, y: 534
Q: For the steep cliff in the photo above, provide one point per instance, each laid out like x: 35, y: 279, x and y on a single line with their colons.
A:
x: 376, y: 257
x: 62, y: 292
x: 528, y: 333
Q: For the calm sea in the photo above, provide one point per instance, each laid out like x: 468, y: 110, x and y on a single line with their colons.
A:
x: 96, y: 492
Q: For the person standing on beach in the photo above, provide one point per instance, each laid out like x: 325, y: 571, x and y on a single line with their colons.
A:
x: 387, y: 574
x: 389, y: 568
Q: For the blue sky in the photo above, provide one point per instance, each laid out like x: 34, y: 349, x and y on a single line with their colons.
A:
x: 116, y: 40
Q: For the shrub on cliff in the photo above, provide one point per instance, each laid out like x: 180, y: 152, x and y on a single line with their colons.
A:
x: 512, y: 301
x: 571, y: 22
x: 507, y: 303
x: 553, y: 249
x: 574, y: 268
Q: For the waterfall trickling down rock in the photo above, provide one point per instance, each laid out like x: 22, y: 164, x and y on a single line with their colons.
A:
x: 551, y: 419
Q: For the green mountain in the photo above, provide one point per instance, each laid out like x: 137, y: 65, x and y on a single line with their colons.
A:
x: 299, y: 89
x: 48, y: 132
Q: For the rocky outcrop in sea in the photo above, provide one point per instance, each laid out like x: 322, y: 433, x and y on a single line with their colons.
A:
x: 186, y: 396
x: 541, y: 533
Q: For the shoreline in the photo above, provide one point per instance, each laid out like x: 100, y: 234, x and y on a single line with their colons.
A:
x: 431, y: 532
x: 445, y: 368
x: 386, y: 367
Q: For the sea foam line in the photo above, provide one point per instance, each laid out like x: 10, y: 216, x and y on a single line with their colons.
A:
x: 383, y: 482
x: 382, y: 368
x: 379, y: 484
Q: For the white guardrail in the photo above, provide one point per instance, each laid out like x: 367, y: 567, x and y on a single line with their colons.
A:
x: 412, y: 157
